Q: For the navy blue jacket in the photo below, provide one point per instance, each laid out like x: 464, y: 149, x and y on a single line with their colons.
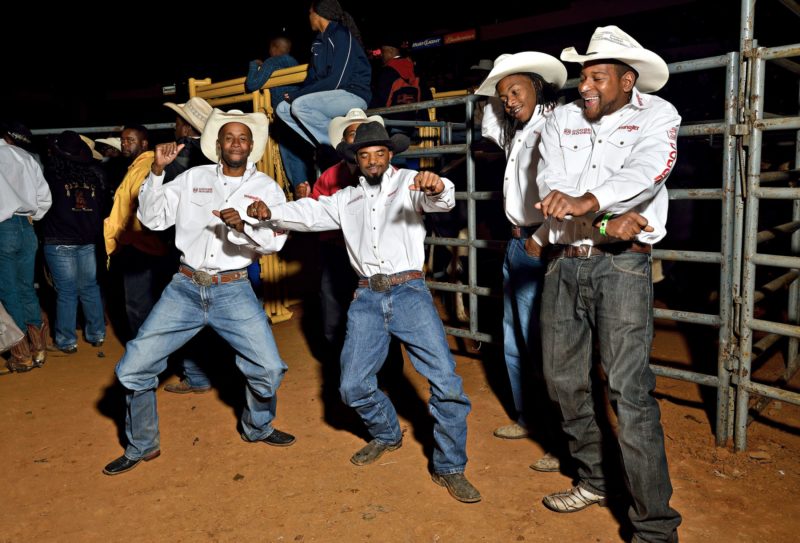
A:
x: 337, y: 62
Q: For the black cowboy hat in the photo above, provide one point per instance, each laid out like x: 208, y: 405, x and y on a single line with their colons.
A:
x: 69, y: 145
x: 373, y: 134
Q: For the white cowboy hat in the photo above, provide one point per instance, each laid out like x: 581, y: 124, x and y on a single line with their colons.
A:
x: 611, y: 43
x: 338, y: 124
x: 111, y: 142
x: 195, y: 111
x: 549, y: 67
x: 256, y: 122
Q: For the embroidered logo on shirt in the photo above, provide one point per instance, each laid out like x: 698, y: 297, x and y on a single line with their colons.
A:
x: 202, y: 189
x: 629, y: 127
x: 577, y: 131
x: 254, y: 198
x: 673, y: 154
x: 356, y: 199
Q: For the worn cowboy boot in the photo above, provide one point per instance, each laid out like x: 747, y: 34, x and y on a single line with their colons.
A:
x: 20, y: 360
x: 37, y: 336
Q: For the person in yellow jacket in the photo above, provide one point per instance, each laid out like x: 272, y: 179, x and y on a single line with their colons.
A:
x: 140, y: 254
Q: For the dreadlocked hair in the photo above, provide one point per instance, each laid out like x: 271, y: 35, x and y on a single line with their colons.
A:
x: 332, y: 10
x: 546, y: 97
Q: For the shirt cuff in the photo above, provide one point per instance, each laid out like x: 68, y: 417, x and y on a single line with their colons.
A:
x: 605, y: 197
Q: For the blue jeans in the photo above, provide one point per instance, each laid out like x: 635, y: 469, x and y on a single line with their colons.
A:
x: 232, y: 310
x: 18, y: 245
x: 310, y: 114
x: 522, y: 283
x: 405, y: 311
x: 74, y: 271
x: 612, y: 297
x: 291, y: 148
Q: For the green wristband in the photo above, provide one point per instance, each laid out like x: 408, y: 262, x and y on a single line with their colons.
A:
x: 604, y: 223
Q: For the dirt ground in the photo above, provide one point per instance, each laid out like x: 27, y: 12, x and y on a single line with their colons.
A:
x: 61, y: 424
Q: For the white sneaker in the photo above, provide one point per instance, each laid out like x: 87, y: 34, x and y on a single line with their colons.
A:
x: 575, y: 499
x: 511, y: 431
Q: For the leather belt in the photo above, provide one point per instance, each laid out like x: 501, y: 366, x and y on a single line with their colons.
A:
x: 523, y: 232
x: 381, y: 282
x: 587, y: 251
x: 205, y: 279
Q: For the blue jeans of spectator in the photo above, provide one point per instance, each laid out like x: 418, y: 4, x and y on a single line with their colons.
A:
x: 18, y: 245
x: 405, y: 311
x: 612, y: 297
x: 232, y: 310
x: 522, y: 283
x: 309, y: 115
x: 74, y: 271
x: 291, y: 147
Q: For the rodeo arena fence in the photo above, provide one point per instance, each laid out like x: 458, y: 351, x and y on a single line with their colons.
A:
x: 743, y: 186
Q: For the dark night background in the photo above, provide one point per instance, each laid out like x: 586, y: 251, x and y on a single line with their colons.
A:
x: 112, y: 72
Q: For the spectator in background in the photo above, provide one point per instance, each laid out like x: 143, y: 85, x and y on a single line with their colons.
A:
x: 24, y: 197
x: 72, y: 229
x: 338, y: 75
x: 290, y: 143
x: 395, y: 83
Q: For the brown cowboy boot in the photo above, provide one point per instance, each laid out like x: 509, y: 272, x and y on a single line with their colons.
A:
x: 20, y: 360
x: 37, y: 336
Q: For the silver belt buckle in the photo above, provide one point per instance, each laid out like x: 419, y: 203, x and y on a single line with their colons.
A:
x: 380, y: 282
x: 202, y: 278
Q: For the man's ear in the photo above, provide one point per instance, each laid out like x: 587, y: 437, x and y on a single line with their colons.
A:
x: 628, y: 80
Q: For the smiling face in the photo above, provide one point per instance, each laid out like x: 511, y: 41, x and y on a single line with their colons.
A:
x: 518, y: 95
x: 605, y: 88
x: 235, y: 142
x: 373, y: 162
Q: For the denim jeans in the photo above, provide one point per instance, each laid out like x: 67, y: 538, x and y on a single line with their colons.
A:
x: 612, y: 297
x: 310, y: 114
x: 18, y: 245
x: 74, y: 271
x: 522, y: 283
x: 405, y: 311
x: 291, y: 146
x: 232, y: 310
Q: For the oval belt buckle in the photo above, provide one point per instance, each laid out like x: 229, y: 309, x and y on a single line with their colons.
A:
x: 380, y: 282
x: 202, y: 278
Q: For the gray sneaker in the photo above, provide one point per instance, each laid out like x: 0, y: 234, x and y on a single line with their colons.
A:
x: 548, y: 464
x: 372, y: 451
x: 458, y: 487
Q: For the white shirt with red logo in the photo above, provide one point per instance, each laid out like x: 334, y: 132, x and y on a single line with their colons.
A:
x: 520, y: 192
x: 206, y: 242
x: 382, y: 225
x: 623, y: 159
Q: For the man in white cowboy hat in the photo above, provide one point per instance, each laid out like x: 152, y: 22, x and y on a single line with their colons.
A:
x: 211, y: 286
x: 381, y: 219
x: 190, y: 120
x: 603, y: 155
x: 522, y: 88
x: 337, y: 279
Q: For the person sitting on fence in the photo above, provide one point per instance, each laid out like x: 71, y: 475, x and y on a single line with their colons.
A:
x: 338, y: 75
x: 381, y: 219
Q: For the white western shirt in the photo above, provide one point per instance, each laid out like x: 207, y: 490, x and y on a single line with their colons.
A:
x: 520, y: 191
x: 188, y: 201
x: 23, y: 188
x: 382, y: 225
x: 623, y: 159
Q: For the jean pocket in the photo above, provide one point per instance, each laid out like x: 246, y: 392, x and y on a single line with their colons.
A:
x: 632, y: 263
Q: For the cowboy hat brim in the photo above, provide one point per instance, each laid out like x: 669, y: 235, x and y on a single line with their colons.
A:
x: 199, y: 107
x: 256, y: 122
x: 547, y: 66
x: 653, y: 71
x: 338, y: 124
x: 396, y: 144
